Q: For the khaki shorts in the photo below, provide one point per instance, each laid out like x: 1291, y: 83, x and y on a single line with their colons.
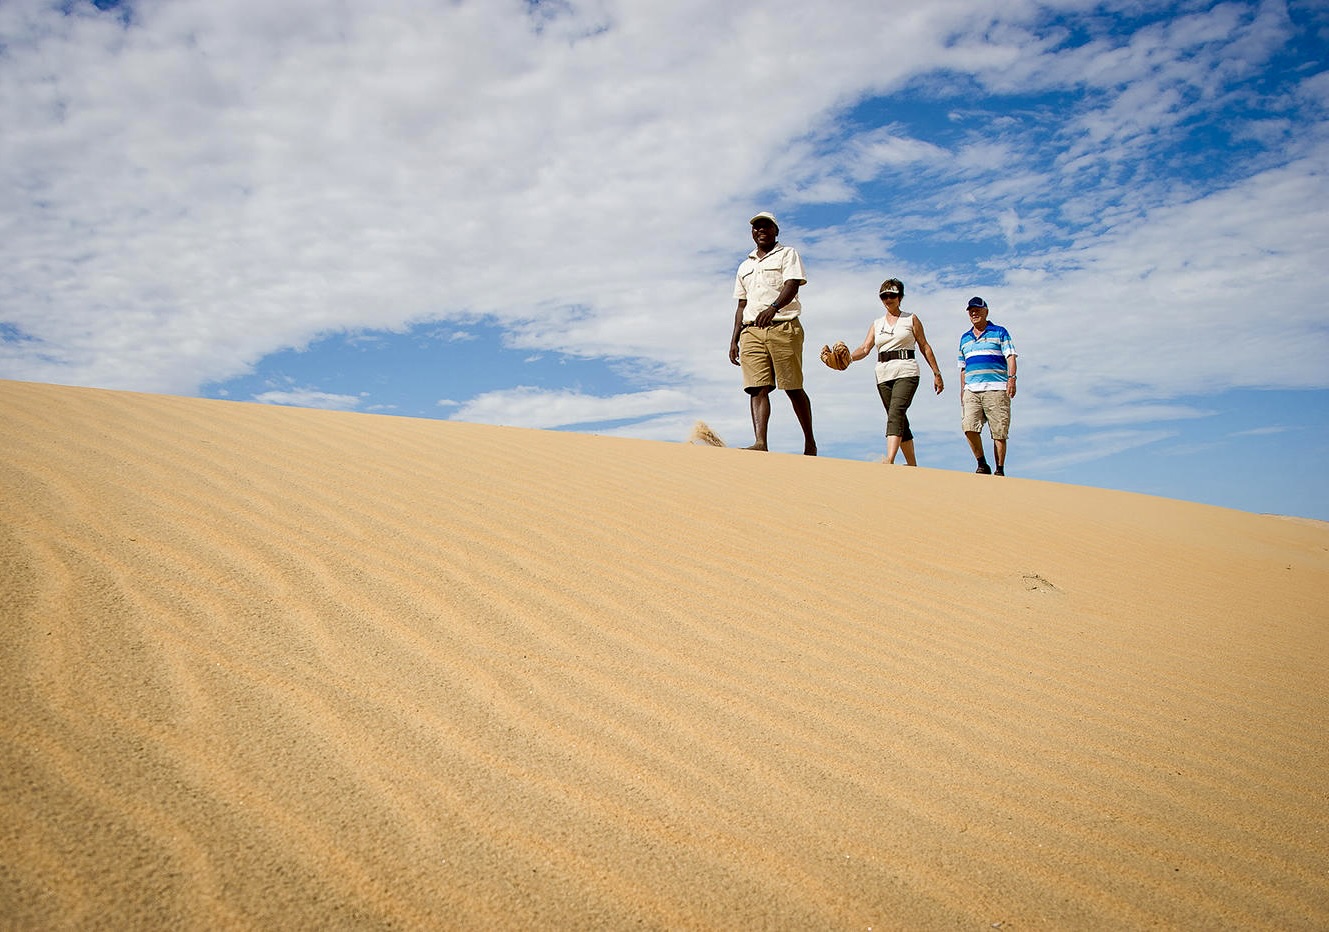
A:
x: 772, y: 356
x: 991, y: 408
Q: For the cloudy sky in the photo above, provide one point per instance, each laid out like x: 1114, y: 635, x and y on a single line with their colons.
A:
x: 530, y: 213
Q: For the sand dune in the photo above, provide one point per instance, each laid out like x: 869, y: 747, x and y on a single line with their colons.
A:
x: 278, y: 668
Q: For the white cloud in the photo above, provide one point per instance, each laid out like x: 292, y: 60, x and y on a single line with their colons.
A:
x: 180, y: 197
x: 1261, y: 432
x: 1060, y: 453
x: 309, y: 398
x: 525, y: 406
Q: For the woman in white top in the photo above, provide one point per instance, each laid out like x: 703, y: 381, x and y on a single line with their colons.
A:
x: 896, y: 337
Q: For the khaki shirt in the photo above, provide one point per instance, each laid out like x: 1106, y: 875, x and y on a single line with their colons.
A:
x: 759, y: 282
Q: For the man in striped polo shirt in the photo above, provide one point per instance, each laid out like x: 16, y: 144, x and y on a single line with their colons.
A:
x: 987, y: 372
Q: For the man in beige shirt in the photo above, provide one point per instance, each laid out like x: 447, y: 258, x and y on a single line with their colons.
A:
x: 768, y: 338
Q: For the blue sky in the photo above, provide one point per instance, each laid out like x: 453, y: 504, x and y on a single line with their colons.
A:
x: 531, y: 213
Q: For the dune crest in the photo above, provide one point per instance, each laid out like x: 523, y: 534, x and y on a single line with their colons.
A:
x: 269, y: 667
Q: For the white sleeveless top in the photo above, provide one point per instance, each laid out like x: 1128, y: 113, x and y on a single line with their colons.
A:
x: 899, y: 336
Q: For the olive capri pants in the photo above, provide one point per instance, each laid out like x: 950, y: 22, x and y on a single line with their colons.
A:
x: 896, y: 396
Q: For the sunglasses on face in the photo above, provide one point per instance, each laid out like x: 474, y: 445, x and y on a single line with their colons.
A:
x: 887, y: 295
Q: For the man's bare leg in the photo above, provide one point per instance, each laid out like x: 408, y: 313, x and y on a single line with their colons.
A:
x: 975, y: 443
x: 760, y: 403
x: 803, y: 410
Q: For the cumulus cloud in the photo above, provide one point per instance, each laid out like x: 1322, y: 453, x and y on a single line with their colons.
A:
x: 187, y: 187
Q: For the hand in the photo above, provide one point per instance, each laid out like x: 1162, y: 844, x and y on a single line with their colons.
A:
x: 1010, y: 387
x: 937, y: 383
x: 733, y: 352
x: 766, y: 316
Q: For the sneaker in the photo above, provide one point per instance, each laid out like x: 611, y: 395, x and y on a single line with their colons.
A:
x: 983, y: 468
x: 999, y: 471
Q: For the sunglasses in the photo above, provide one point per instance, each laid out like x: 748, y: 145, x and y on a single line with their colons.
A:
x: 888, y: 294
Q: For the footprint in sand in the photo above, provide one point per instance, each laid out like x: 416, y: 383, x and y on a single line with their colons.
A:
x: 1032, y: 582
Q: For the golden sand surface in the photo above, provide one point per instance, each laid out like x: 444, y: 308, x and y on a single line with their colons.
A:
x: 273, y: 668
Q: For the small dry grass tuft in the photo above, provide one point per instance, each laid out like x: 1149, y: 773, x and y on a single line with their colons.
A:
x: 703, y: 434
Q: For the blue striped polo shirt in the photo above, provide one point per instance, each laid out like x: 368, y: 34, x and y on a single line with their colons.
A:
x: 983, y: 358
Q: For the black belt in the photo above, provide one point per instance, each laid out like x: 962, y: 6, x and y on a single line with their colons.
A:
x: 884, y: 355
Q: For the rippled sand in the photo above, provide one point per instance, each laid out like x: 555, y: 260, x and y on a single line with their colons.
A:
x: 278, y: 668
